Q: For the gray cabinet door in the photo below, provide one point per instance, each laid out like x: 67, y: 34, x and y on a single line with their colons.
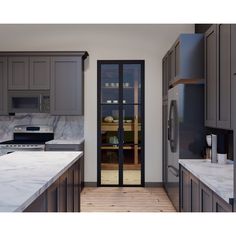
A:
x: 18, y: 73
x: 233, y: 77
x: 184, y: 190
x: 66, y: 86
x: 171, y: 65
x: 223, y: 78
x: 210, y: 76
x: 219, y: 205
x: 39, y: 73
x: 177, y: 59
x: 3, y: 85
x: 205, y: 199
x: 164, y: 77
x: 194, y: 194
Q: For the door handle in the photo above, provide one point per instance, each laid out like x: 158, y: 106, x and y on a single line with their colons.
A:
x: 173, y: 170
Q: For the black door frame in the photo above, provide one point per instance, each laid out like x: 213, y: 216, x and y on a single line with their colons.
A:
x: 120, y: 132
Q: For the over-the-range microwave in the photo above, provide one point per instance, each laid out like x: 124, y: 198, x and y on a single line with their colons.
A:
x: 24, y: 101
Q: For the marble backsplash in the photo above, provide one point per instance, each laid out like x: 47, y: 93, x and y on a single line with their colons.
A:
x: 65, y: 127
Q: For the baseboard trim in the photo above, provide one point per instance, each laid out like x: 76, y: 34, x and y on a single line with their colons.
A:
x: 153, y: 184
x: 147, y: 184
x: 90, y: 184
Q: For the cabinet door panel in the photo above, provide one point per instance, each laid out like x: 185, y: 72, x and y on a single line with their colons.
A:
x: 3, y: 85
x: 210, y: 76
x: 18, y: 72
x: 66, y: 86
x: 177, y: 59
x: 219, y: 205
x: 184, y: 190
x: 39, y: 73
x: 223, y: 83
x: 172, y: 65
x: 205, y: 199
x: 194, y: 194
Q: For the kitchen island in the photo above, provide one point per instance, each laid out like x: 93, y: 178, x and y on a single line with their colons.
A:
x: 40, y: 181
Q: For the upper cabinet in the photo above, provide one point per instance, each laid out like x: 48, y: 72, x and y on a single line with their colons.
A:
x: 39, y: 68
x: 165, y: 79
x: 28, y: 73
x: 218, y: 76
x: 27, y: 79
x: 3, y: 85
x: 67, y: 86
x: 185, y: 60
x: 18, y: 73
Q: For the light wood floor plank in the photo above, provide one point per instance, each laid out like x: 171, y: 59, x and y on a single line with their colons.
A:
x: 126, y: 199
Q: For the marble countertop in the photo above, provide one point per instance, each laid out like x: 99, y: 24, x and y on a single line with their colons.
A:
x: 219, y: 178
x: 25, y: 175
x: 65, y: 141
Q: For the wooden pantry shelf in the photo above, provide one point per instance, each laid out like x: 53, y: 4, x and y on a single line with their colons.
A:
x: 115, y: 126
x: 112, y: 166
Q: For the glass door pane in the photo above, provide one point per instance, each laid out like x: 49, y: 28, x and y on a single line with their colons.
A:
x: 131, y: 83
x: 109, y: 84
x: 132, y: 124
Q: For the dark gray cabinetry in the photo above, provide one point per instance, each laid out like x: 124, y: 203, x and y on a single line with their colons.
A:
x: 197, y: 197
x: 205, y: 199
x: 39, y: 73
x: 219, y: 205
x: 184, y: 190
x: 194, y: 201
x: 165, y: 78
x: 3, y: 85
x: 28, y: 73
x: 186, y: 58
x: 210, y: 76
x: 65, y: 147
x: 66, y: 86
x: 218, y: 76
x: 18, y: 73
x: 224, y: 77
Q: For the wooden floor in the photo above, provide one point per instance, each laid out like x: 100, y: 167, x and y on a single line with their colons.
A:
x: 126, y: 199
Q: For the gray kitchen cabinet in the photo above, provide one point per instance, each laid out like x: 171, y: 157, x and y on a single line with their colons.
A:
x: 65, y: 147
x: 194, y: 201
x: 39, y: 67
x: 218, y: 76
x: 3, y: 86
x: 66, y: 85
x: 223, y: 76
x: 210, y: 76
x: 184, y: 190
x: 219, y: 205
x: 165, y: 78
x: 186, y: 58
x: 18, y: 73
x: 205, y: 198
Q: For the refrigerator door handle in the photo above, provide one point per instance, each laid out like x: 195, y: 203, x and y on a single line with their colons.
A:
x: 173, y: 170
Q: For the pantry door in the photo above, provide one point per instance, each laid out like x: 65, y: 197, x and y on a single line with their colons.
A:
x: 120, y: 123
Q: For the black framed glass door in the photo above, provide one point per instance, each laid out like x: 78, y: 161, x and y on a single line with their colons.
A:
x: 121, y: 123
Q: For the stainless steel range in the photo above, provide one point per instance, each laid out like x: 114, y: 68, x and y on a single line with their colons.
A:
x: 27, y: 138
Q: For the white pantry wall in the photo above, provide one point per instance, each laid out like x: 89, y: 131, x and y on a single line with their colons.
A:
x: 104, y: 42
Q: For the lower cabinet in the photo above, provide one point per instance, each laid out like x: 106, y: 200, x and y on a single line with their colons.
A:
x: 197, y: 197
x: 63, y: 195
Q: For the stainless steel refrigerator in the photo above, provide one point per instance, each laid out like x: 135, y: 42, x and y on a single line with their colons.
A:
x: 186, y: 137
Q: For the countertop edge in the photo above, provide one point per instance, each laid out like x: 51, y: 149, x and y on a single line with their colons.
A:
x: 24, y: 205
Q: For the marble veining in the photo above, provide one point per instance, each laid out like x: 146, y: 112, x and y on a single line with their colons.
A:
x: 65, y: 127
x: 25, y: 175
x: 68, y: 141
x: 218, y: 178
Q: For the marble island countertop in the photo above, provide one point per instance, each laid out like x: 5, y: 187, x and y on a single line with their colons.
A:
x: 65, y: 141
x: 219, y: 178
x: 25, y: 175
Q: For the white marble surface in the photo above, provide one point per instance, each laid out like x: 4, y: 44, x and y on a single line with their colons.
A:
x: 65, y: 127
x: 25, y: 175
x: 65, y: 141
x: 218, y: 178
